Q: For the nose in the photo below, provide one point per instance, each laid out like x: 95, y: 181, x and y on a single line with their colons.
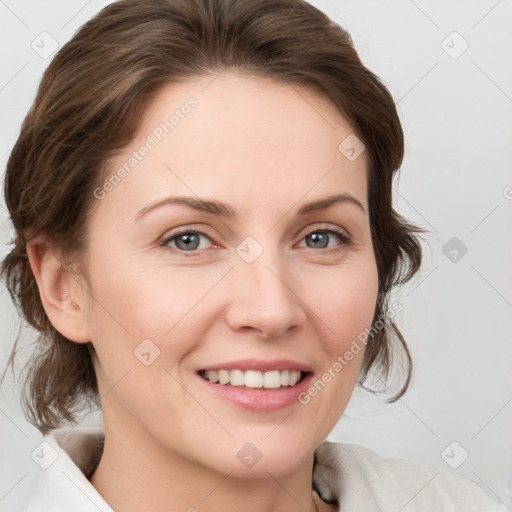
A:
x: 265, y: 298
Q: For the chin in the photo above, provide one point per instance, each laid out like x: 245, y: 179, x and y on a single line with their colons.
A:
x: 256, y: 458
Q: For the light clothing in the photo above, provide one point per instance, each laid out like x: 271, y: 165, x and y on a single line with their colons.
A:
x: 358, y: 479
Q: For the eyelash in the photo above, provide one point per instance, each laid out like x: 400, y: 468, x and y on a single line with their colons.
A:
x: 345, y: 239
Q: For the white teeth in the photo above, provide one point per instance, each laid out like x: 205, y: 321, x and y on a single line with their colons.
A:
x: 294, y: 378
x: 254, y: 378
x: 223, y: 376
x: 272, y: 379
x: 236, y: 378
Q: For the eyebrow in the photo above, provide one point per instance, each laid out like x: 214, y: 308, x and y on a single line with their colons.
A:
x: 223, y: 210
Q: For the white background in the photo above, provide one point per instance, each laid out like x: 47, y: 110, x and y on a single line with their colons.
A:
x: 457, y: 316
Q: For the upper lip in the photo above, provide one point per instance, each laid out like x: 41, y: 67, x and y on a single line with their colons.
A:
x: 261, y: 365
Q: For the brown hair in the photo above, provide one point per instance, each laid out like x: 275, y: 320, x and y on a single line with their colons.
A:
x: 88, y: 106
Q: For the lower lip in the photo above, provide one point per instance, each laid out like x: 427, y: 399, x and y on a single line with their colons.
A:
x: 260, y: 400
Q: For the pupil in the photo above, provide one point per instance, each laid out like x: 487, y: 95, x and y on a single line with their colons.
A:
x: 187, y: 241
x: 319, y: 238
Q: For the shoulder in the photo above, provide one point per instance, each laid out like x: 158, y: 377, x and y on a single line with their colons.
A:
x: 360, y: 479
x: 68, y: 457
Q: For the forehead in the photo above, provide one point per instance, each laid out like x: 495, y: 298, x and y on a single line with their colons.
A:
x: 246, y: 141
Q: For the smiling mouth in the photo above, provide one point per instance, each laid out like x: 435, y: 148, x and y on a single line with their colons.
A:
x: 254, y: 379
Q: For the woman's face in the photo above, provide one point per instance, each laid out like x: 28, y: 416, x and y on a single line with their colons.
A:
x: 165, y: 310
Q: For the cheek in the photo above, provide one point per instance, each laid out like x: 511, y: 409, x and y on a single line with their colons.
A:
x: 134, y: 304
x: 345, y: 300
x: 140, y: 335
x: 344, y: 308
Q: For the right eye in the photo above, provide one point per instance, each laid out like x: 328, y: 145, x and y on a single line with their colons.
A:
x: 186, y: 240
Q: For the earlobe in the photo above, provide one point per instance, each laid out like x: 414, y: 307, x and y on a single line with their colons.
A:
x: 59, y: 291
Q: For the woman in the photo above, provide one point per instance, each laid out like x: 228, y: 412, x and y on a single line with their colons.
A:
x: 206, y: 242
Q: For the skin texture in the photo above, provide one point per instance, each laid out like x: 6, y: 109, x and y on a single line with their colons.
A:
x: 264, y: 148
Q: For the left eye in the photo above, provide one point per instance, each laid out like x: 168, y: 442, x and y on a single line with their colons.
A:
x: 191, y: 240
x: 320, y: 238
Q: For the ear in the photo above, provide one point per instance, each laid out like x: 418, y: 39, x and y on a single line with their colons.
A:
x: 61, y: 294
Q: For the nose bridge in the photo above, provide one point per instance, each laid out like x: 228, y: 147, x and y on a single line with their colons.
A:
x: 263, y: 296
